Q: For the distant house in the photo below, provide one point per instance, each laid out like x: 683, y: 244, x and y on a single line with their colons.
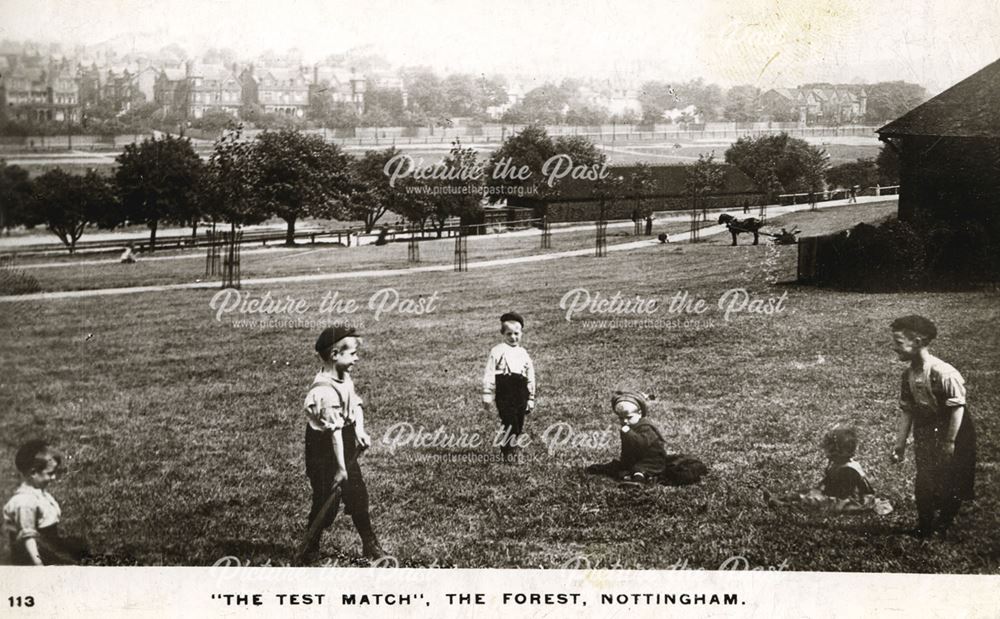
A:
x: 827, y: 106
x: 344, y: 86
x: 170, y: 90
x: 579, y: 200
x: 42, y: 93
x: 781, y: 104
x: 213, y: 88
x: 949, y: 152
x: 277, y: 90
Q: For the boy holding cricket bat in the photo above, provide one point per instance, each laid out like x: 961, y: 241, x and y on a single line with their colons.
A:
x: 335, y: 437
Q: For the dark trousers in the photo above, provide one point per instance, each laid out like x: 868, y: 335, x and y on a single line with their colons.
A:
x: 321, y: 465
x: 52, y: 547
x: 512, y: 404
x: 943, y: 482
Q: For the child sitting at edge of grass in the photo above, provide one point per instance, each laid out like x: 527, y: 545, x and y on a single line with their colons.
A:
x: 509, y: 381
x: 31, y: 516
x: 336, y: 437
x: 845, y: 487
x: 932, y: 404
x: 644, y: 458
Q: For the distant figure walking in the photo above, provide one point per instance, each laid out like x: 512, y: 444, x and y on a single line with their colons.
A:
x: 746, y: 206
x: 853, y: 195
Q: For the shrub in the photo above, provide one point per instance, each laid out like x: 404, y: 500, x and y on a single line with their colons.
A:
x: 899, y: 255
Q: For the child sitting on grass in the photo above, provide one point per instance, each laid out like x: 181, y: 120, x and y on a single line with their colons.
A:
x: 844, y: 488
x: 644, y: 458
x: 31, y: 516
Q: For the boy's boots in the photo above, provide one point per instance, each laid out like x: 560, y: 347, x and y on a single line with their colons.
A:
x: 370, y: 548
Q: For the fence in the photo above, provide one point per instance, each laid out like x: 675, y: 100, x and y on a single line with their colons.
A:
x: 487, y: 134
x: 345, y: 236
x: 786, y: 199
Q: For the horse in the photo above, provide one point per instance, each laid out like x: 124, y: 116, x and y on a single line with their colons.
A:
x: 738, y: 226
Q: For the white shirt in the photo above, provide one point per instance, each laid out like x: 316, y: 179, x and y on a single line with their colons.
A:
x: 507, y: 359
x: 332, y: 403
x: 29, y: 510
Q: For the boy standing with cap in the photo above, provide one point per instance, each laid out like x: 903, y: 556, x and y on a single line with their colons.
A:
x: 932, y: 404
x: 509, y: 381
x: 335, y: 437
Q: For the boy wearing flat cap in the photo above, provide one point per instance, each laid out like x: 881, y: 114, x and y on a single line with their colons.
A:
x: 509, y: 381
x: 932, y: 404
x: 335, y: 437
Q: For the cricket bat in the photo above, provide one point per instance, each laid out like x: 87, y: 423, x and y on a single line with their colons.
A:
x: 317, y: 524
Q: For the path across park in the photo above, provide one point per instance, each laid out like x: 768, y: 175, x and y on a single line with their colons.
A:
x: 371, y: 273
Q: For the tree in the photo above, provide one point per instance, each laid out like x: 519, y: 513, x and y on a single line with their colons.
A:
x: 701, y: 180
x: 299, y: 175
x: 414, y: 201
x: 707, y: 98
x: 531, y: 148
x: 213, y: 121
x: 641, y: 184
x: 388, y: 102
x: 459, y: 197
x: 227, y: 184
x: 463, y: 95
x: 863, y: 173
x: 158, y: 180
x: 15, y: 196
x: 371, y: 195
x: 779, y: 163
x: 495, y: 90
x: 651, y: 115
x: 66, y: 204
x: 741, y: 103
x: 425, y: 92
x: 545, y: 104
x: 890, y: 100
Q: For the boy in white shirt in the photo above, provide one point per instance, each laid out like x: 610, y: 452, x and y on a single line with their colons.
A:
x: 509, y: 381
x: 336, y: 436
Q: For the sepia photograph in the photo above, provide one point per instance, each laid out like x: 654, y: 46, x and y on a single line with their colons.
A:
x: 589, y: 286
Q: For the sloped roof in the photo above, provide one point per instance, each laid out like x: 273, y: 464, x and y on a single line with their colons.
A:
x: 668, y: 181
x: 173, y: 74
x: 967, y: 109
x: 787, y: 93
x: 280, y: 75
x: 216, y: 72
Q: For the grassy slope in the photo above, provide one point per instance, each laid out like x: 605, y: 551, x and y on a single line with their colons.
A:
x: 186, y: 435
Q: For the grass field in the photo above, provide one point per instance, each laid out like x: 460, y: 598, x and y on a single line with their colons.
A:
x: 72, y: 273
x: 185, y: 433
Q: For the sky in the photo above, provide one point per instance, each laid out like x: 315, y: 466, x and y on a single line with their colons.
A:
x: 766, y: 43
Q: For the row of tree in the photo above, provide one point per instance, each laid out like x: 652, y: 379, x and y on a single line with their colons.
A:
x: 290, y: 175
x: 284, y: 174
